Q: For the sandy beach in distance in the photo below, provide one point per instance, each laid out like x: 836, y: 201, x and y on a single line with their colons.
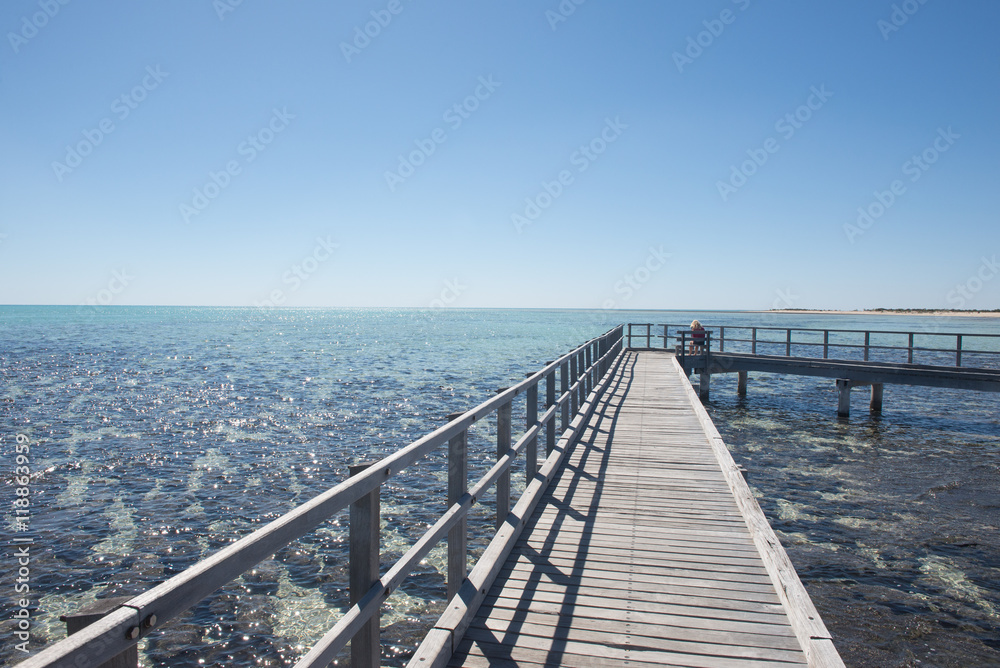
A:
x: 953, y: 314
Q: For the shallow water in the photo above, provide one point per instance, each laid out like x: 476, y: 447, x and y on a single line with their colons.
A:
x: 159, y: 435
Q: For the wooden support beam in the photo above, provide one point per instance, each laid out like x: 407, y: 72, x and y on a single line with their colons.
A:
x: 364, y: 528
x: 503, y: 445
x: 876, y: 401
x: 458, y: 483
x: 94, y: 612
x: 704, y: 381
x: 844, y: 400
x: 741, y: 384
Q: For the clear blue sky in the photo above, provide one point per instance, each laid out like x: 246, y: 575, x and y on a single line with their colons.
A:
x: 98, y: 192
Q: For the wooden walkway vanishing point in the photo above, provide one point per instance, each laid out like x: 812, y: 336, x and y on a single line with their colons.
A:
x: 647, y: 549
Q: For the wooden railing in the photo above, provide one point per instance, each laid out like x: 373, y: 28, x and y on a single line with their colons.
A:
x: 580, y: 375
x: 826, y: 343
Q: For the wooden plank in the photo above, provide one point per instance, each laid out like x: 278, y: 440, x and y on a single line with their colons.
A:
x: 548, y: 624
x: 662, y: 554
x: 579, y: 652
x: 658, y: 619
x: 693, y: 586
x: 676, y: 603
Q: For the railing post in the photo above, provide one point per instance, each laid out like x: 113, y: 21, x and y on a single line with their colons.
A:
x: 958, y: 350
x: 458, y: 483
x: 572, y: 379
x: 592, y: 376
x: 94, y: 612
x: 503, y: 445
x: 531, y: 449
x: 550, y: 400
x: 909, y: 355
x: 630, y: 335
x: 788, y: 343
x: 826, y: 343
x: 364, y: 529
x: 868, y: 336
x: 649, y: 337
x: 722, y: 339
x: 753, y: 348
x: 563, y: 389
x: 665, y: 336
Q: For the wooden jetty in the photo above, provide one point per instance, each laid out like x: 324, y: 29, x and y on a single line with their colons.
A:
x: 647, y: 550
x: 635, y: 542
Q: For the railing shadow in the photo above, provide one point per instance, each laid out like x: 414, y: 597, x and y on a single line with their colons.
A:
x: 601, y: 429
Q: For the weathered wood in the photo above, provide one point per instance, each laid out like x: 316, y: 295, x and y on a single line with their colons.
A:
x: 813, y: 635
x: 503, y: 445
x: 598, y: 578
x: 434, y: 653
x: 96, y: 611
x: 531, y: 451
x: 704, y: 384
x: 859, y: 372
x: 876, y: 401
x: 843, y: 397
x: 365, y: 529
x: 959, y: 349
x: 458, y: 481
x: 574, y: 400
x: 564, y: 390
x: 550, y: 400
x: 741, y: 384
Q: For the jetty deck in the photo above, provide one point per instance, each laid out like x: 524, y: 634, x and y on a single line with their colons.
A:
x: 641, y: 551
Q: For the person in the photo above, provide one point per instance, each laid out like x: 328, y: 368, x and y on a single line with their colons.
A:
x: 697, y: 338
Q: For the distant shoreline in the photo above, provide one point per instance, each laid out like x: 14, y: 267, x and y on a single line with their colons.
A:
x: 886, y: 311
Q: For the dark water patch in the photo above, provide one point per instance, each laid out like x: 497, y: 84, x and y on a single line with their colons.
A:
x: 891, y: 520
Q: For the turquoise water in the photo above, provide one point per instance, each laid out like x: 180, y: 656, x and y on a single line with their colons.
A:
x: 158, y: 435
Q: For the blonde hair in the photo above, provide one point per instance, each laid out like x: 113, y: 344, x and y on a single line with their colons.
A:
x: 695, y: 324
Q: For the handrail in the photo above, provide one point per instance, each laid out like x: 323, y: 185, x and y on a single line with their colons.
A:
x: 139, y: 616
x: 324, y: 651
x: 668, y: 332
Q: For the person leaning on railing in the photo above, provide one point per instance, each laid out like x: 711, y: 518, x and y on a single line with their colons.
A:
x: 697, y: 345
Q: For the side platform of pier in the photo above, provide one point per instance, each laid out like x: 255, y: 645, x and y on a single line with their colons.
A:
x: 647, y: 549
